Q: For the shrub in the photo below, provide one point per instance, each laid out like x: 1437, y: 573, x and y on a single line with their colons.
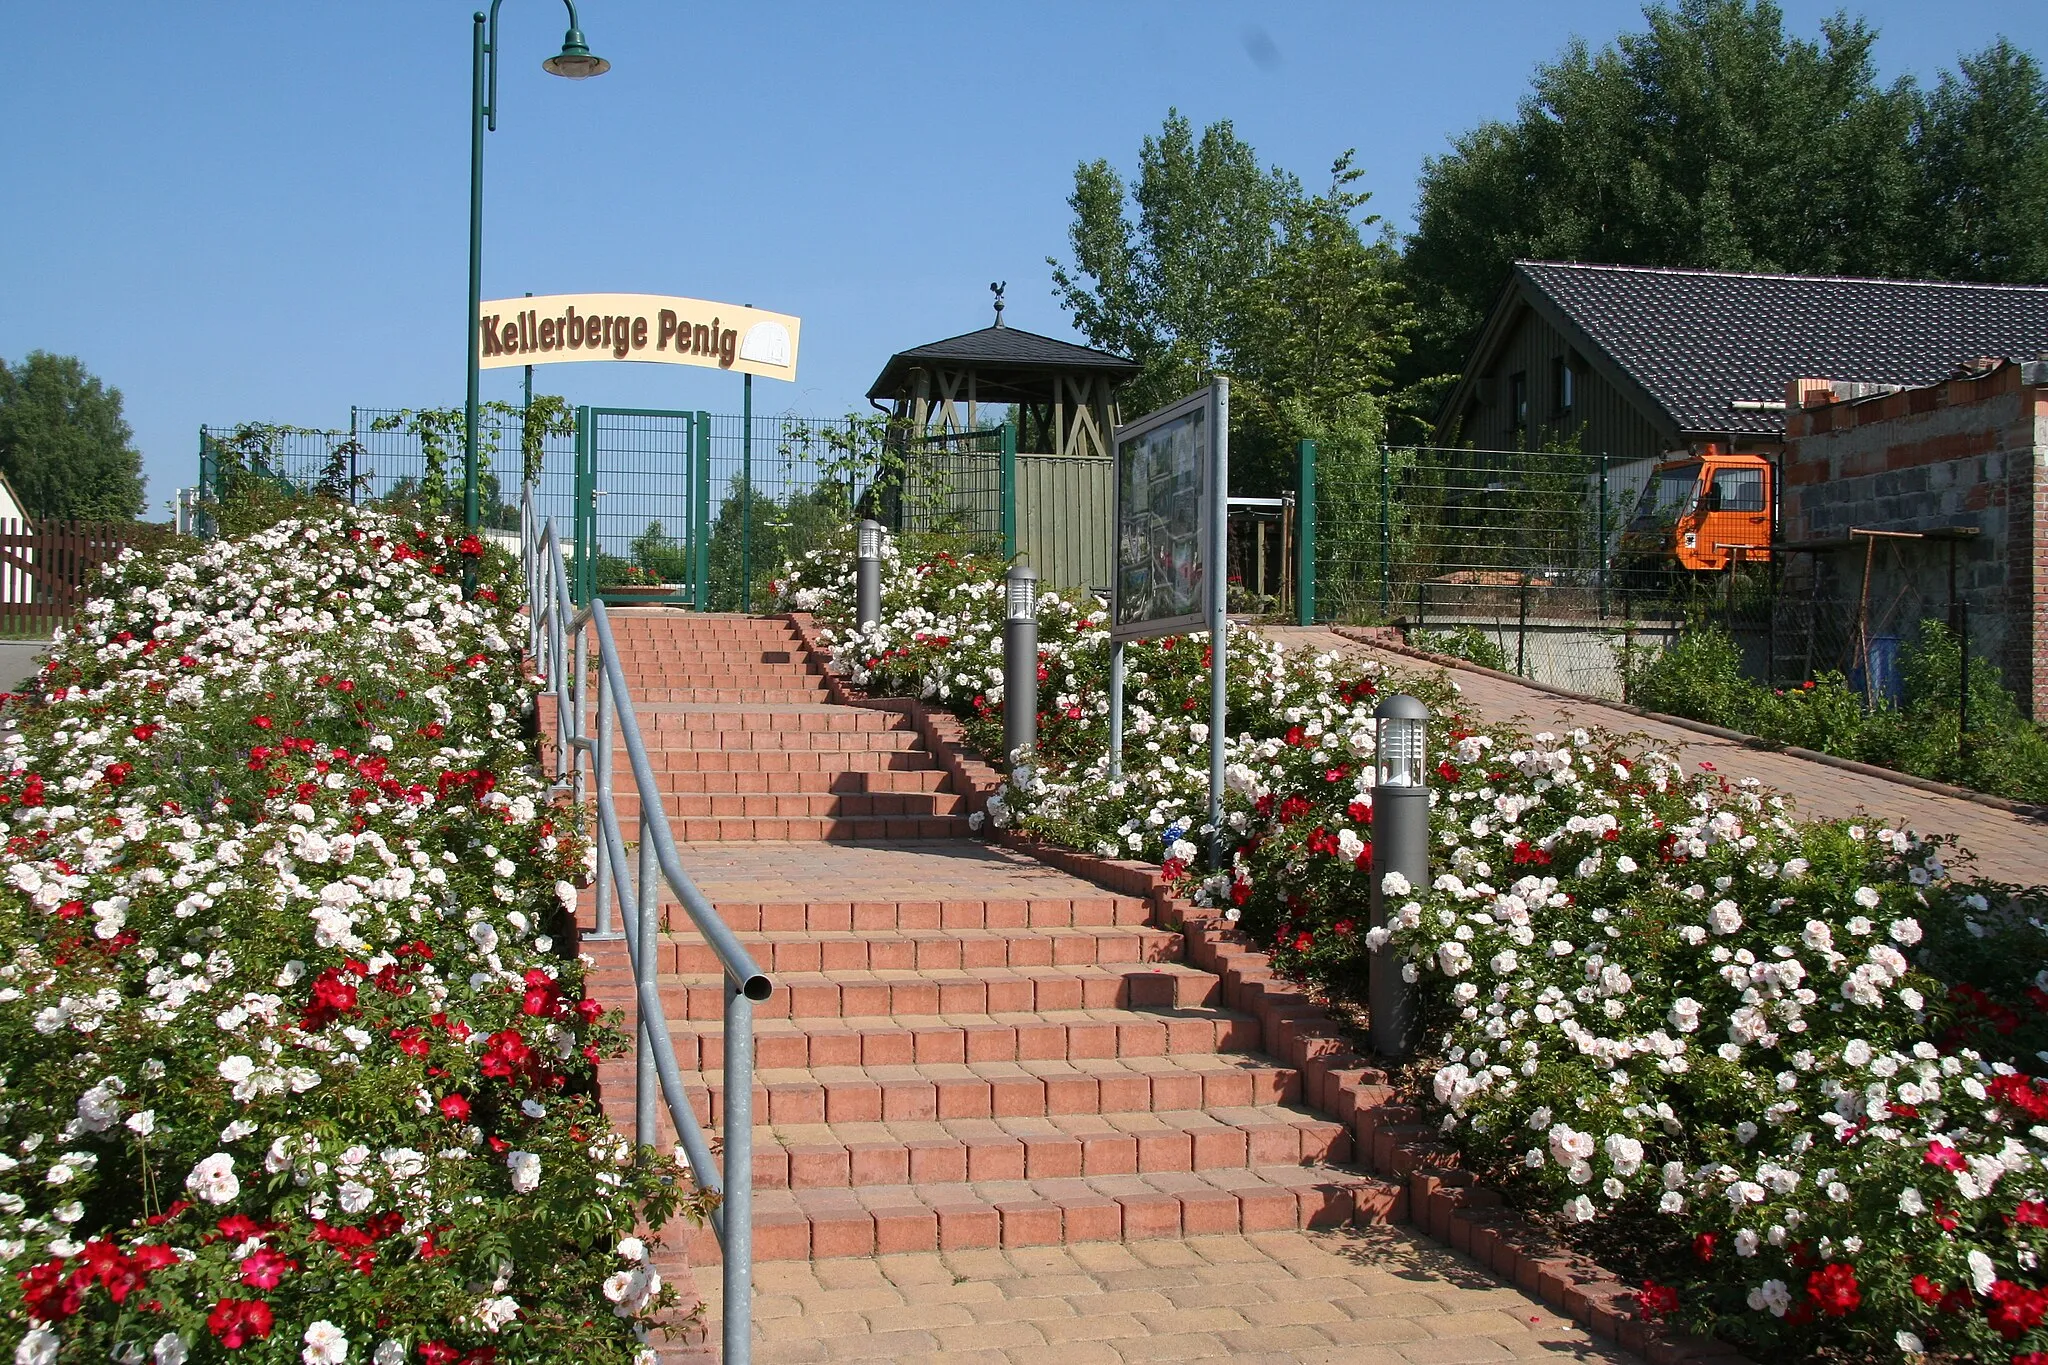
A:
x: 1700, y: 677
x: 294, y: 1060
x: 1469, y: 643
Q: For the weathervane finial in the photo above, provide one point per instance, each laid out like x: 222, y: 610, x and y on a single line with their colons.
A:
x: 997, y: 288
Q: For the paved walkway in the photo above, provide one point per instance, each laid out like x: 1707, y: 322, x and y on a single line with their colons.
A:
x: 1360, y: 1296
x: 2003, y: 846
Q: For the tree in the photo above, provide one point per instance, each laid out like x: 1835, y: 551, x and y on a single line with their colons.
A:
x: 63, y: 443
x: 1211, y: 263
x: 1710, y: 140
x: 1983, y: 144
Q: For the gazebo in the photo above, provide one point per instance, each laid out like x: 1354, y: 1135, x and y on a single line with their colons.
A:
x: 1064, y: 394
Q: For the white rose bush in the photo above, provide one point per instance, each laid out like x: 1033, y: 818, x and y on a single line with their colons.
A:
x: 1788, y: 1071
x: 295, y: 1059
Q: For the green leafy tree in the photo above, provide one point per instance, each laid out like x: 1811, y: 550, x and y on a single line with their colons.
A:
x: 1162, y: 279
x: 64, y: 444
x: 1711, y: 139
x: 1211, y: 263
x: 1983, y: 141
x: 662, y: 557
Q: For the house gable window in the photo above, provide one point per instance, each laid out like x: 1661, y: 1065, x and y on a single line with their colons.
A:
x: 1565, y: 389
x: 1518, y: 404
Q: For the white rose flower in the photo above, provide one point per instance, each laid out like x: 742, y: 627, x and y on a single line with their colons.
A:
x: 170, y: 1349
x: 39, y: 1347
x: 390, y: 1351
x: 1867, y: 897
x: 1580, y: 1210
x: 326, y: 1344
x: 493, y: 1314
x: 525, y: 1167
x: 213, y: 1180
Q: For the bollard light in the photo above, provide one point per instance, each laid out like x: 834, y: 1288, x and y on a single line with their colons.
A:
x: 1400, y: 844
x: 1022, y: 586
x: 1402, y: 723
x: 868, y: 575
x: 1020, y: 660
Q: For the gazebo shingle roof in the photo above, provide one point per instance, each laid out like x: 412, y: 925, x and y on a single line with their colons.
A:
x: 998, y: 354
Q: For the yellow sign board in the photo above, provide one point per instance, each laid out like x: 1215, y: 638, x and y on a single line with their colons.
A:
x: 652, y: 327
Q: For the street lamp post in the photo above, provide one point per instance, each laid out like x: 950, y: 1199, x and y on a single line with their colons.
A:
x: 573, y: 61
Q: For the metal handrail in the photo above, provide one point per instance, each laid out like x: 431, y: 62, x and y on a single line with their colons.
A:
x: 558, y: 636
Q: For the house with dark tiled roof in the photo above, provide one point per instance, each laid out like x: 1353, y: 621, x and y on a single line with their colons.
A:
x: 1636, y: 361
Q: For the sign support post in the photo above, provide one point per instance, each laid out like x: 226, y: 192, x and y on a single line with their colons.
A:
x: 702, y: 516
x: 1116, y: 710
x: 1217, y: 571
x: 747, y: 487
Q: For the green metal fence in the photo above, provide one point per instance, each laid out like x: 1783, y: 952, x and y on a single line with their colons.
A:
x: 638, y: 483
x: 961, y: 484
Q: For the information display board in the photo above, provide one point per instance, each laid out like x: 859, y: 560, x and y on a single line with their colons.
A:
x: 1164, y: 465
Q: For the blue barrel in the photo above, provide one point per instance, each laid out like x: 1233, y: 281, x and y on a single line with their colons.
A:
x: 1876, y: 675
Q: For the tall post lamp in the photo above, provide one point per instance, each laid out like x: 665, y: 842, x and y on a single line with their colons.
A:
x: 576, y: 62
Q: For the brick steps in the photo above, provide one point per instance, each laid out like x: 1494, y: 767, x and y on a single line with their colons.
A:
x: 821, y: 1224
x: 807, y: 805
x: 945, y: 1063
x: 1027, y: 1088
x: 724, y: 696
x: 873, y: 917
x: 817, y: 782
x: 968, y: 1040
x: 900, y: 758
x: 708, y: 829
x: 815, y: 1156
x: 992, y: 991
x: 783, y: 953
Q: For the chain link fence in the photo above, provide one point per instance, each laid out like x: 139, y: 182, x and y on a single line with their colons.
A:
x: 1565, y: 568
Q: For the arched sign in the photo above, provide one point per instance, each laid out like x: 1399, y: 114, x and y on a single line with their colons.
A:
x: 548, y: 328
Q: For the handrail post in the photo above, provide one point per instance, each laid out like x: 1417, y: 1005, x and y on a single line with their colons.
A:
x: 646, y: 1085
x: 739, y: 1173
x: 601, y: 761
x: 579, y: 681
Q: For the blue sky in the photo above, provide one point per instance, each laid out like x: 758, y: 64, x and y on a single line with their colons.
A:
x: 258, y: 211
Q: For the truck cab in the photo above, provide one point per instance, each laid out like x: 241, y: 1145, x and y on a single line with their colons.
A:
x: 1701, y: 512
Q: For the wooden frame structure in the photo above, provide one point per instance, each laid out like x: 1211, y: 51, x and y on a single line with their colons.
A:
x: 1064, y: 394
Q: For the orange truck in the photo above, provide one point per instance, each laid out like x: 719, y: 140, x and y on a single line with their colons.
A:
x: 1700, y: 512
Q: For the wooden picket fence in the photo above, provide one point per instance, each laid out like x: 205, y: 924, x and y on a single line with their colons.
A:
x: 47, y: 568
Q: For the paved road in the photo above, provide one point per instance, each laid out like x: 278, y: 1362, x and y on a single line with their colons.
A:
x: 2002, y: 846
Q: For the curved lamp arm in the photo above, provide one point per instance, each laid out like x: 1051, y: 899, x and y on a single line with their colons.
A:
x: 573, y: 47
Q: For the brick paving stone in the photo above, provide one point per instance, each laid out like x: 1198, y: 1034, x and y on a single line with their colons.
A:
x: 1327, y: 1299
x: 2005, y: 846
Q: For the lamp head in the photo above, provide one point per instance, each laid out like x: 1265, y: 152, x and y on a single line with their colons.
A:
x: 575, y: 60
x: 1022, y: 596
x: 1403, y: 725
x: 870, y: 546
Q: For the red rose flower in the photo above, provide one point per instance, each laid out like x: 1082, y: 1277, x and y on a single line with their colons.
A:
x: 1833, y: 1289
x: 238, y: 1321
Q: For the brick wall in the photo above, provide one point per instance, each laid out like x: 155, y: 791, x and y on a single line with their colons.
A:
x: 1966, y: 452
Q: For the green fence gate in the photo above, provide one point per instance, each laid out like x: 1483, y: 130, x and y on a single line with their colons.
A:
x: 642, y: 502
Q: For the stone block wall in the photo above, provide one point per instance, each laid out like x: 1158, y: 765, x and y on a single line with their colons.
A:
x: 1968, y: 452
